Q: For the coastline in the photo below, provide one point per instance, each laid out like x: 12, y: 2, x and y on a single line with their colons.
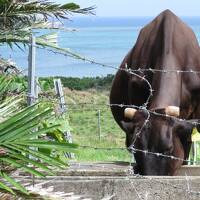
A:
x: 104, y: 41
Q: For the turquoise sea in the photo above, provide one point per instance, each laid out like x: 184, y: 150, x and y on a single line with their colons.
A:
x: 105, y: 40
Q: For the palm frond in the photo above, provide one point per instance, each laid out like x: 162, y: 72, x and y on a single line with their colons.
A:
x: 9, y: 106
x: 17, y: 14
x: 48, y: 41
x: 5, y: 82
x: 19, y: 18
x: 16, y: 139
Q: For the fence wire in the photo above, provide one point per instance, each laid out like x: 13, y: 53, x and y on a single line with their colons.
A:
x: 139, y: 73
x: 55, y: 101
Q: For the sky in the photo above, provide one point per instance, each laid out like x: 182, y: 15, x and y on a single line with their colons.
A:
x: 140, y: 7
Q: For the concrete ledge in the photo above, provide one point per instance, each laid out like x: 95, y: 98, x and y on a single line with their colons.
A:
x: 112, y: 169
x: 115, y: 169
x: 189, y: 170
x: 124, y: 187
x: 101, y: 180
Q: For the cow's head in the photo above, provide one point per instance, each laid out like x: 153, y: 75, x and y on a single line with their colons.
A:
x: 161, y: 134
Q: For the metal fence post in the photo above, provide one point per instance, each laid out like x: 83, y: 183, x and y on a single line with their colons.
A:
x: 37, y: 88
x: 32, y: 84
x: 31, y: 72
x: 60, y: 94
x: 99, y: 124
x: 63, y: 109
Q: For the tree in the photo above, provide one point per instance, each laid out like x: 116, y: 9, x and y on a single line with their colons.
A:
x: 16, y: 138
x: 19, y: 19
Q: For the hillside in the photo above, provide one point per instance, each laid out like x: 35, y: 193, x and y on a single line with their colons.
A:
x: 83, y: 108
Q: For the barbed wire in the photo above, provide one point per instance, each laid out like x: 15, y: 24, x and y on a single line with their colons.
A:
x: 136, y: 73
x: 131, y: 148
x: 91, y: 61
x: 130, y: 172
x: 137, y: 135
x: 132, y: 72
x: 134, y: 150
x: 195, y: 123
x: 146, y: 152
x: 149, y: 112
x: 166, y: 70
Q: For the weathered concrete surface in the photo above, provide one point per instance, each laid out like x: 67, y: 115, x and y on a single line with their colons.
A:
x: 100, y: 180
x: 115, y: 169
x: 127, y: 188
x: 190, y: 170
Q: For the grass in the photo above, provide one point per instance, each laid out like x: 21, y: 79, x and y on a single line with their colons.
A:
x: 83, y: 119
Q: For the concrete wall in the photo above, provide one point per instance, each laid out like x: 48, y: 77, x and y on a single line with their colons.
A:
x: 127, y: 188
x: 100, y: 180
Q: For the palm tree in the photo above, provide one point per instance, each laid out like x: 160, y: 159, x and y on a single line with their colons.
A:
x: 18, y: 15
x: 16, y: 138
x: 19, y: 19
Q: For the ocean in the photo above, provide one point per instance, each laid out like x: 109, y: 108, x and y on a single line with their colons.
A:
x: 105, y: 40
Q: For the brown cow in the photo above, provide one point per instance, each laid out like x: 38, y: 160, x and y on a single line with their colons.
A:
x: 166, y: 43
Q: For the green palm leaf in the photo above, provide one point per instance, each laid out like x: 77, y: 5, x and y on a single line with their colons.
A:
x: 69, y: 147
x: 12, y: 181
x: 23, y: 167
x: 5, y: 187
x: 19, y: 18
x: 42, y: 156
x: 17, y: 14
x: 23, y: 158
x: 17, y: 136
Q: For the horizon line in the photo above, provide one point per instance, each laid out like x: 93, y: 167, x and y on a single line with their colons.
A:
x: 90, y: 16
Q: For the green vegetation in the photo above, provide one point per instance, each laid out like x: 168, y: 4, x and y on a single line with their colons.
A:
x: 83, y: 106
x: 82, y: 116
x: 19, y: 127
x: 83, y: 119
x: 19, y: 20
x: 85, y: 83
x: 88, y: 82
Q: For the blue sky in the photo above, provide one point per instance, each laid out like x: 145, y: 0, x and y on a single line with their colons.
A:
x: 140, y: 7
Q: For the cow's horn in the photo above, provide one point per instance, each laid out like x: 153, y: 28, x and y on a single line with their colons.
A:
x: 129, y: 113
x: 172, y: 111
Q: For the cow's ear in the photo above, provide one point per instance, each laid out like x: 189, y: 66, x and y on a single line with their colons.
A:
x: 193, y: 123
x: 183, y: 129
x: 197, y: 125
x: 127, y: 126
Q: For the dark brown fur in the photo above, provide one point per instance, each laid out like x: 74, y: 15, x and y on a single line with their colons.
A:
x: 166, y: 43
